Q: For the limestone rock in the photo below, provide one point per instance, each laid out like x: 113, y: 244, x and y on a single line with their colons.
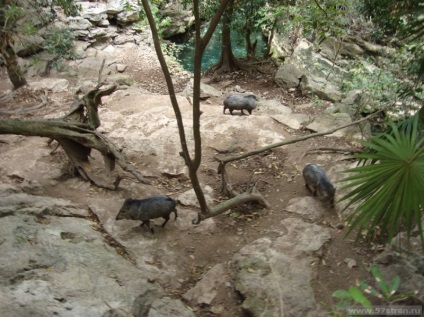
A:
x: 27, y: 45
x: 274, y: 275
x: 79, y: 23
x: 181, y: 22
x: 52, y: 84
x: 57, y: 264
x: 288, y: 76
x: 205, y: 291
x: 206, y: 91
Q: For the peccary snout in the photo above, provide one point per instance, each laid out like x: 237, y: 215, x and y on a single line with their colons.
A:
x: 148, y: 208
x: 240, y: 102
x: 317, y: 183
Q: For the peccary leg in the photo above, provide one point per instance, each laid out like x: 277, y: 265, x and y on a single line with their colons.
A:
x: 166, y: 220
x: 147, y: 223
x: 167, y: 217
x: 311, y: 190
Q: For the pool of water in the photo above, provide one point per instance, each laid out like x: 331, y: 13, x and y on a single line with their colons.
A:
x: 185, y: 48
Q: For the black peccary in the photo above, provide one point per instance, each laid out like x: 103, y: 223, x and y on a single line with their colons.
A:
x: 148, y: 208
x: 240, y: 102
x: 318, y: 184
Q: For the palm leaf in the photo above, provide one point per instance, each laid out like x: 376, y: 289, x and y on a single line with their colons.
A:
x: 389, y: 185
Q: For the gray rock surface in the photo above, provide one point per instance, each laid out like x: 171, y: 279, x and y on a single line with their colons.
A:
x: 206, y: 290
x: 274, y: 276
x: 288, y: 76
x: 57, y: 264
x: 52, y: 84
x: 405, y: 259
x: 180, y: 21
x: 318, y: 75
x: 206, y: 91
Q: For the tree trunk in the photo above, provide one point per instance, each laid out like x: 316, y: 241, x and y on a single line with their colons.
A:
x: 15, y: 73
x: 250, y: 47
x: 267, y: 52
x: 10, y: 58
x: 227, y: 62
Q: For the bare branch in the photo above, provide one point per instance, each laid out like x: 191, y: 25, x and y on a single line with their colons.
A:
x: 231, y: 203
x: 289, y: 141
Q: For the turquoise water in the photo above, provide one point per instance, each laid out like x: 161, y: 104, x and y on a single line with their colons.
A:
x: 212, y: 52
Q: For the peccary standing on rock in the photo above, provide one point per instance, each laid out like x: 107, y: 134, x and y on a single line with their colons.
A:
x: 240, y: 102
x: 318, y: 184
x: 148, y: 208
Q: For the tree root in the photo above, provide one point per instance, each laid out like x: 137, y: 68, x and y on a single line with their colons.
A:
x: 28, y: 110
x: 236, y: 198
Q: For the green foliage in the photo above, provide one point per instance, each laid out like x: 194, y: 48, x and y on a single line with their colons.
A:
x: 380, y: 11
x: 387, y: 86
x: 393, y: 16
x: 388, y: 186
x: 171, y: 51
x: 384, y: 290
x: 69, y: 7
x: 59, y: 42
x: 350, y: 297
x: 402, y: 18
x: 155, y: 6
x: 9, y: 14
x: 268, y: 16
x: 380, y: 86
x: 322, y: 19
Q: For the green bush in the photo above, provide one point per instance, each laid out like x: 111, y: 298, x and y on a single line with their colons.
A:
x: 59, y: 43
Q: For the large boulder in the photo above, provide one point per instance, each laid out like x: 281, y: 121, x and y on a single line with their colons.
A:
x: 312, y: 72
x: 289, y: 76
x: 180, y: 22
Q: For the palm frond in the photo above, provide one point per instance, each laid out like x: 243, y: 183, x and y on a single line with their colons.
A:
x: 389, y: 185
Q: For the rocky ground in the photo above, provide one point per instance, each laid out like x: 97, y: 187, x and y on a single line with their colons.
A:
x: 67, y: 255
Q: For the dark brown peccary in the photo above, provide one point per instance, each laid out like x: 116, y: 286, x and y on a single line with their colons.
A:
x: 317, y: 182
x: 240, y: 102
x: 148, y: 208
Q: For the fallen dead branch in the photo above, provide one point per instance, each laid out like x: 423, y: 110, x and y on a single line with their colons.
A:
x: 76, y: 134
x: 332, y: 150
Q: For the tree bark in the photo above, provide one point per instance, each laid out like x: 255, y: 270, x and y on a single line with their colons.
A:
x: 10, y: 58
x: 14, y: 71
